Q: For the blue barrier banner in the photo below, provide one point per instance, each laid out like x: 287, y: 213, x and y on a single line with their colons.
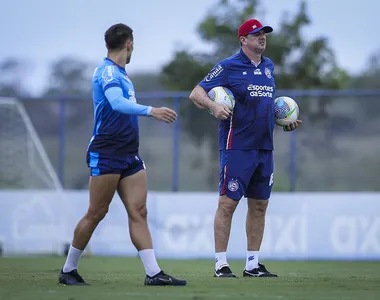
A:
x: 300, y: 226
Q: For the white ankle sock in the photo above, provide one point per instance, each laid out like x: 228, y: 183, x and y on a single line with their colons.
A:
x: 252, y: 260
x: 72, y: 259
x: 149, y: 261
x: 220, y: 260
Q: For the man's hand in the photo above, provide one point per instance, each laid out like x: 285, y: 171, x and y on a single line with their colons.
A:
x: 292, y: 126
x: 164, y: 114
x: 220, y: 111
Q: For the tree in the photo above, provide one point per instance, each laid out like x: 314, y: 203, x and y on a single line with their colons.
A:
x: 12, y: 74
x: 70, y: 76
x: 69, y: 88
x: 368, y: 79
x: 299, y: 63
x: 146, y: 82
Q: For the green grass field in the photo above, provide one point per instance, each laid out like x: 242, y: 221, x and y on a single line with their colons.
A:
x: 35, y: 278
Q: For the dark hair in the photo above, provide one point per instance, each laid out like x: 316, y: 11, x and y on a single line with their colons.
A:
x: 117, y: 35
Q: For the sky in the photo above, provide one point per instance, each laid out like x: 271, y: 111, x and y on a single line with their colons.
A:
x: 42, y: 31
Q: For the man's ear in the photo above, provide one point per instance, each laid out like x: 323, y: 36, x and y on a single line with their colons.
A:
x: 243, y: 40
x: 129, y: 45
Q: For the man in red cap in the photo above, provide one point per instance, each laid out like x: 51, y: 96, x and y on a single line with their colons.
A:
x: 245, y: 142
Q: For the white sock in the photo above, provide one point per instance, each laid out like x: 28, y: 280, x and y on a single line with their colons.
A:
x: 149, y: 261
x: 252, y: 260
x: 72, y: 259
x: 220, y: 260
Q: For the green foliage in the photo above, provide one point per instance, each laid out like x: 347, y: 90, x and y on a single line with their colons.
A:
x: 369, y: 78
x: 219, y: 28
x: 140, y: 82
x: 12, y: 72
x: 70, y: 76
x: 193, y: 66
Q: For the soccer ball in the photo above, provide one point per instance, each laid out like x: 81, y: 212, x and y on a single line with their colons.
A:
x: 222, y: 95
x: 286, y: 111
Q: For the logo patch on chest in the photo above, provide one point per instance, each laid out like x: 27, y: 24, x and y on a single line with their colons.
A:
x: 268, y: 73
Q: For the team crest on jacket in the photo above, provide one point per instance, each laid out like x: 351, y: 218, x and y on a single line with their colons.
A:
x: 268, y: 73
x: 233, y: 185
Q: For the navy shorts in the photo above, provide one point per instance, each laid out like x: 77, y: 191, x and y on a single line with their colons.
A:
x: 125, y: 166
x: 247, y: 173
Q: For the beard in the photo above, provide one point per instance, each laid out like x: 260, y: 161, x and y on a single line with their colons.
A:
x: 128, y: 59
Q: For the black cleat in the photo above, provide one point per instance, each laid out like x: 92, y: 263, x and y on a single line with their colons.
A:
x: 71, y: 278
x: 163, y: 279
x: 261, y: 271
x: 224, y: 271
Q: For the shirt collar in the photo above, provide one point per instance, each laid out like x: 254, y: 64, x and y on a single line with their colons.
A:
x: 110, y: 61
x: 245, y: 59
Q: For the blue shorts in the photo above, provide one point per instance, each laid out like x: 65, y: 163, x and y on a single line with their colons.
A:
x: 247, y: 173
x: 125, y: 166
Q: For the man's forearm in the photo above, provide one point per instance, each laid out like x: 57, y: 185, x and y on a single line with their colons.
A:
x: 200, y: 98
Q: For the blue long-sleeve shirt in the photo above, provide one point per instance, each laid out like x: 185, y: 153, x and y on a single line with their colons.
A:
x: 116, y: 130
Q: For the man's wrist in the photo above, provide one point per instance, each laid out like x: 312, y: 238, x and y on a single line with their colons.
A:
x: 149, y: 111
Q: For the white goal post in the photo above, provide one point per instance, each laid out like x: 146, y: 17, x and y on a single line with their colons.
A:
x: 24, y: 163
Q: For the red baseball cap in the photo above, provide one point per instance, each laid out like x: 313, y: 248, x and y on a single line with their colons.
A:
x: 252, y: 26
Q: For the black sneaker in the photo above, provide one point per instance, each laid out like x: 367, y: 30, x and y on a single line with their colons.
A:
x: 261, y: 271
x: 224, y: 271
x: 163, y: 279
x: 71, y: 278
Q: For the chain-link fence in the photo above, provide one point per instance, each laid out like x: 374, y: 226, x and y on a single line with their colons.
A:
x: 336, y: 149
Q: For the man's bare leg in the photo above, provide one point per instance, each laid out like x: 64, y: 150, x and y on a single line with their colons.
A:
x: 133, y: 192
x: 255, y: 224
x: 101, y: 188
x: 222, y: 229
